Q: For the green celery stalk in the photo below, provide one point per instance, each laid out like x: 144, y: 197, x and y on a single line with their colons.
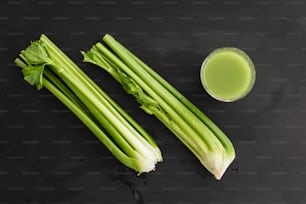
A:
x: 45, y: 65
x: 156, y: 96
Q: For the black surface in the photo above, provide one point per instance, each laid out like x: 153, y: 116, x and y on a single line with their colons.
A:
x: 48, y: 156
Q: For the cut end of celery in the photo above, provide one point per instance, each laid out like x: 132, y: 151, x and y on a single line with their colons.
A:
x: 107, y: 36
x: 145, y: 166
x: 146, y: 169
x: 218, y: 164
x: 220, y: 172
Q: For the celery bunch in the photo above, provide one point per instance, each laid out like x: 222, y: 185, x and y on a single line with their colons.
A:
x: 45, y: 65
x: 156, y: 96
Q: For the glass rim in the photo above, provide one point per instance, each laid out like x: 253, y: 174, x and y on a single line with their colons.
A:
x: 242, y: 54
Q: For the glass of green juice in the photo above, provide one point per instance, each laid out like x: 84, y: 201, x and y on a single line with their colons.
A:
x: 228, y: 74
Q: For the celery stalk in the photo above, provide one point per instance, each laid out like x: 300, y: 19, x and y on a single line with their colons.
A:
x: 45, y: 65
x: 156, y: 96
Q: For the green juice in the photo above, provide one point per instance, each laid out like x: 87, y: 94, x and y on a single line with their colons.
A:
x: 228, y: 74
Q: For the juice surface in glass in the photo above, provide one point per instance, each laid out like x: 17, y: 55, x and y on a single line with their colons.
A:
x: 228, y: 74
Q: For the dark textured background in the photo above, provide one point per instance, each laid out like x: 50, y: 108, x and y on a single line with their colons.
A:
x: 48, y: 156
